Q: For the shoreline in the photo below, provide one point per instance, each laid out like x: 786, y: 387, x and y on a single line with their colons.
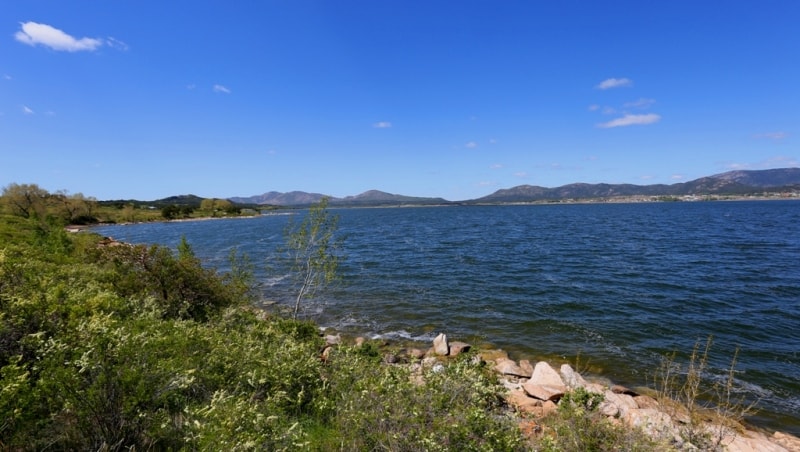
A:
x: 636, y: 407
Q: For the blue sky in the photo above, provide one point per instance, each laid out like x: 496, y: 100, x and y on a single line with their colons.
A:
x: 456, y: 99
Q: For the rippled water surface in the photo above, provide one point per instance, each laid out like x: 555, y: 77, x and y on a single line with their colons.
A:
x: 620, y: 284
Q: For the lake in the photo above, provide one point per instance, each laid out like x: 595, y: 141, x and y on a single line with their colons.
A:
x: 621, y: 285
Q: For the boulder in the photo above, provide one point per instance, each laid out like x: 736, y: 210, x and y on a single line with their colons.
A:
x: 415, y: 353
x: 522, y: 403
x: 572, y: 379
x: 643, y: 401
x: 623, y: 402
x: 457, y: 348
x: 332, y: 339
x: 608, y: 409
x: 545, y: 383
x: 787, y: 441
x: 619, y: 389
x: 526, y: 366
x: 543, y: 374
x: 655, y: 423
x: 440, y: 345
x: 507, y: 366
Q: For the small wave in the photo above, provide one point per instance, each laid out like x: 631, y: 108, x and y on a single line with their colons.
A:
x: 404, y: 335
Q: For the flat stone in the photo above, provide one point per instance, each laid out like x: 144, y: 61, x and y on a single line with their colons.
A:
x: 643, y: 401
x: 522, y: 403
x: 415, y: 353
x: 543, y: 374
x: 507, y: 366
x: 456, y: 348
x: 544, y: 392
x: 790, y: 442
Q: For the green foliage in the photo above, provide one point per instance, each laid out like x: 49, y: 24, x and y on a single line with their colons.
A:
x: 313, y: 251
x: 379, y: 407
x: 578, y: 426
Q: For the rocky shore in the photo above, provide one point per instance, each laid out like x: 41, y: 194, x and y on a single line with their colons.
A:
x: 534, y: 391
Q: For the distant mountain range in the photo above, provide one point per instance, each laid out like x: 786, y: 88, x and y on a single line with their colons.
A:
x: 368, y: 198
x: 730, y: 183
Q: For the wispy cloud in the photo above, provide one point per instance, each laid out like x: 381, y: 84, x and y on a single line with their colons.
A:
x: 32, y: 34
x: 677, y: 177
x: 6, y: 76
x: 640, y: 103
x: 496, y: 166
x: 614, y: 83
x: 772, y: 162
x: 191, y: 86
x: 631, y: 120
x: 777, y: 136
x: 116, y: 44
x: 382, y: 125
x: 26, y: 110
x: 471, y: 145
x: 521, y: 174
x: 593, y: 107
x: 221, y: 89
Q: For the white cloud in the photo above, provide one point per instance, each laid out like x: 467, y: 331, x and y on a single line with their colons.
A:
x: 27, y: 110
x: 521, y: 174
x: 593, y: 107
x: 382, y: 125
x: 191, y: 86
x: 496, y: 166
x: 116, y: 44
x: 471, y: 145
x: 614, y: 83
x: 6, y: 76
x: 777, y: 136
x: 647, y: 177
x: 677, y: 177
x: 221, y: 89
x: 631, y: 120
x: 772, y: 162
x: 640, y: 103
x: 33, y: 33
x: 486, y: 183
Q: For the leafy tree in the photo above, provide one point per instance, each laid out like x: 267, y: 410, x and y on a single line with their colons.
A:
x: 313, y: 250
x: 76, y: 208
x: 26, y: 200
x: 170, y: 212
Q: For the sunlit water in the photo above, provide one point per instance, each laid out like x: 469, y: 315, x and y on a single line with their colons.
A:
x: 620, y: 284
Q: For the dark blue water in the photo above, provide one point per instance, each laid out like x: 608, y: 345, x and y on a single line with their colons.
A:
x: 620, y: 284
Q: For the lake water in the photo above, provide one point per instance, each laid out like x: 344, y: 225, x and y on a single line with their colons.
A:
x: 621, y: 285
